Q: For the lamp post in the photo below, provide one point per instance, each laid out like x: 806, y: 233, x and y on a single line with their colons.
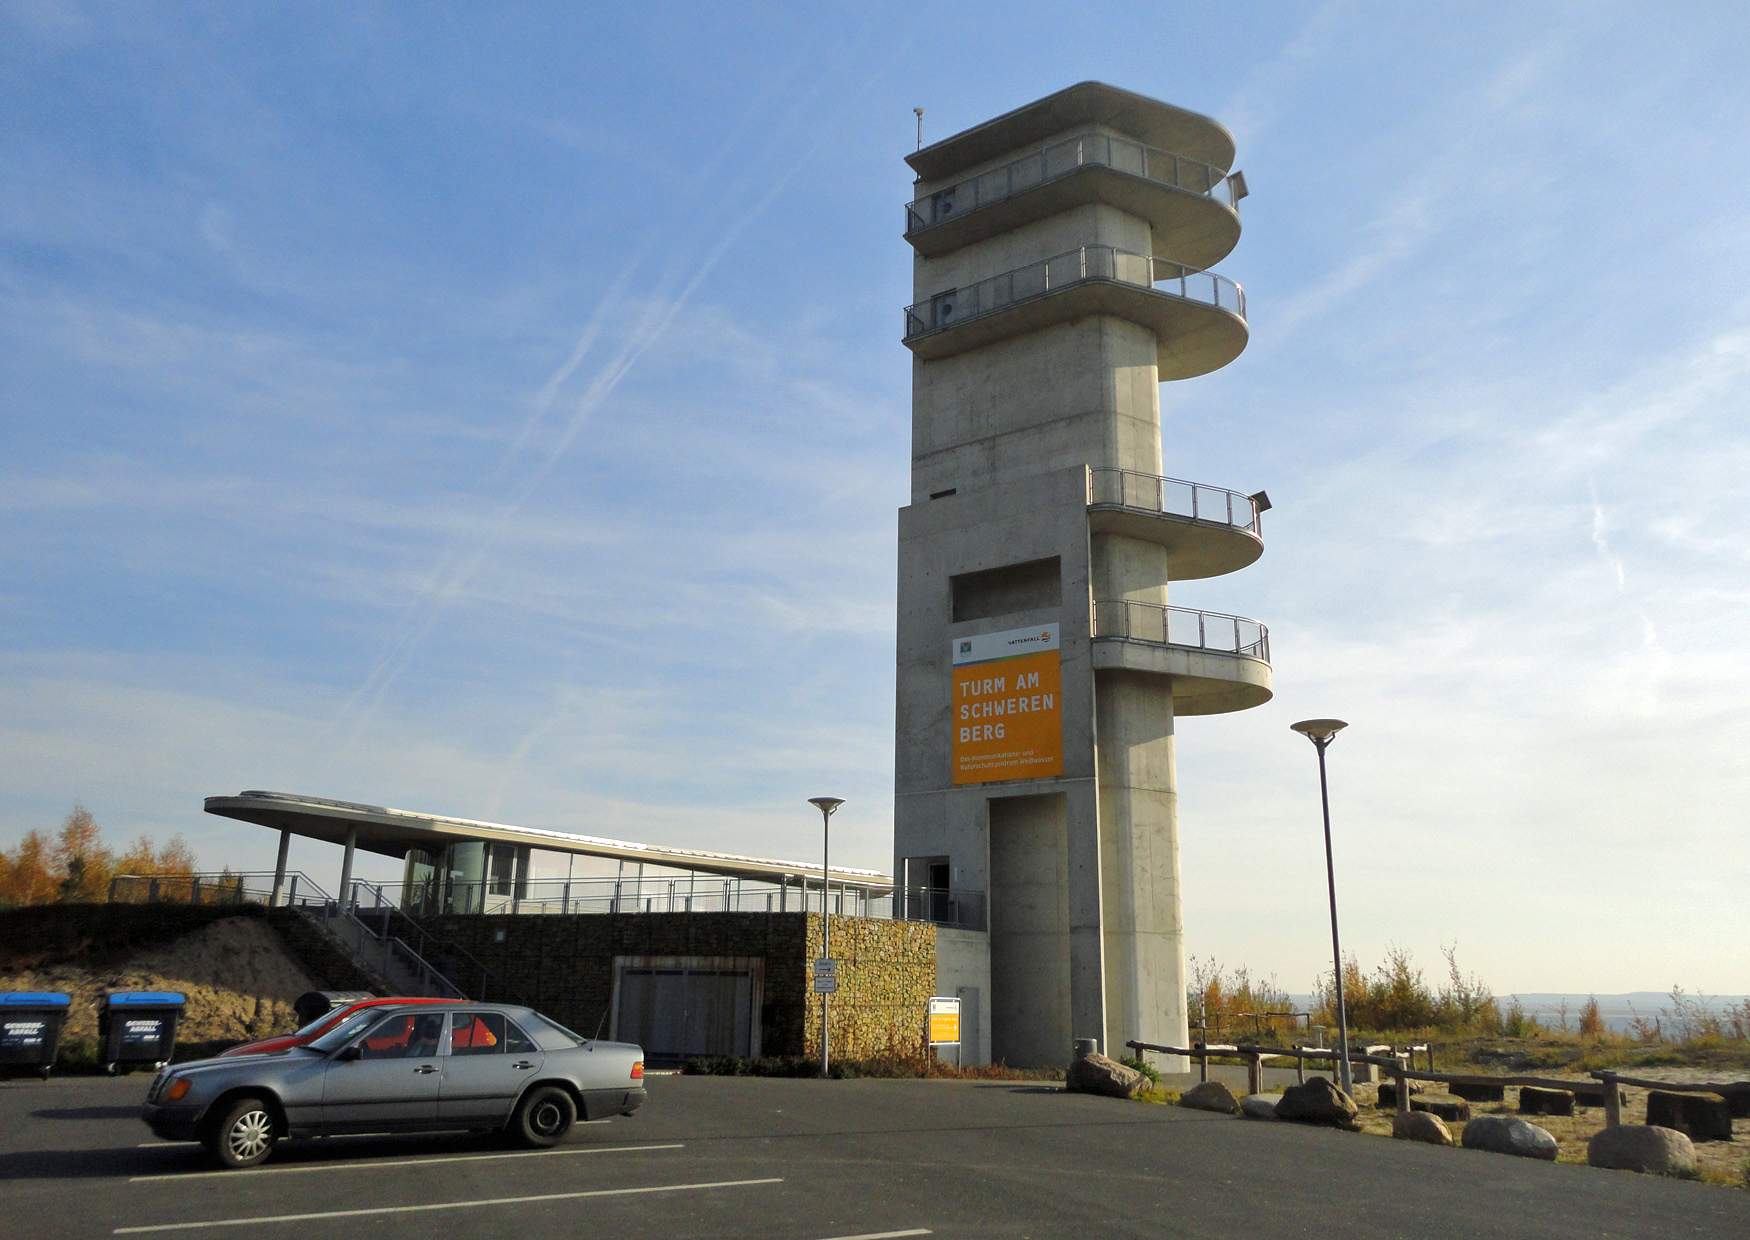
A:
x: 826, y: 806
x: 1320, y: 732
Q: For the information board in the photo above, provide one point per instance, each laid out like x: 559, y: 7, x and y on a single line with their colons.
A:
x: 1006, y: 712
x: 943, y: 1021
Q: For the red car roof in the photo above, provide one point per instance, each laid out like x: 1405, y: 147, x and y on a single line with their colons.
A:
x: 285, y: 1041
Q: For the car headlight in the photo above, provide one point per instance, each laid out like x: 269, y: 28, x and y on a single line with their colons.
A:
x: 178, y: 1089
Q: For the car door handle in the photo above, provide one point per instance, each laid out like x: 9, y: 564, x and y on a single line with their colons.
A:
x: 523, y: 1064
x: 425, y: 1069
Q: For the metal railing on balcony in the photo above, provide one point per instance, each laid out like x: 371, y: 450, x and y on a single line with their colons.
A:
x: 1088, y: 262
x: 1212, y: 631
x: 1061, y: 159
x: 249, y: 887
x: 701, y: 893
x: 1127, y: 488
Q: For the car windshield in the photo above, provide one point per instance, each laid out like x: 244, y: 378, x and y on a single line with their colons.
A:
x: 344, y: 1032
x: 316, y: 1025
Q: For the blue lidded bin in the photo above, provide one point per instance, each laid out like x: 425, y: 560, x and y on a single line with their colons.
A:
x: 30, y: 1029
x: 138, y: 1027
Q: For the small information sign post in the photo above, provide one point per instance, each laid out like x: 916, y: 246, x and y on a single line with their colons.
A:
x: 942, y: 1024
x: 826, y: 976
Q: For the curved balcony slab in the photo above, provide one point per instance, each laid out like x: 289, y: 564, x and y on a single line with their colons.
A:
x: 1217, y: 663
x: 1197, y: 317
x: 1207, y: 531
x: 1203, y: 683
x: 1195, y: 549
x: 1190, y: 221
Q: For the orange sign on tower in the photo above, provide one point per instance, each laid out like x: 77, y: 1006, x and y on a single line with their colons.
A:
x: 1007, y: 716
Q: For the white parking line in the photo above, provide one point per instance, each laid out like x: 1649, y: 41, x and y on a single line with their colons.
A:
x: 373, y: 1164
x: 441, y: 1205
x: 885, y: 1235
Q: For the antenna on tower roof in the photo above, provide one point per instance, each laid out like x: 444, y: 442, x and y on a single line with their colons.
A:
x: 920, y: 115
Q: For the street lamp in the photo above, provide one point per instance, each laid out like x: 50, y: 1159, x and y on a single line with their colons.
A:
x: 1320, y: 732
x: 826, y: 806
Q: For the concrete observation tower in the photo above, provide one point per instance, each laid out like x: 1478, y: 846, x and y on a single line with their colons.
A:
x: 1061, y: 255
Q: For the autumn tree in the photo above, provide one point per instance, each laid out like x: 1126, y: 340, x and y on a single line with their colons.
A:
x: 81, y: 860
x: 75, y: 865
x: 28, y: 874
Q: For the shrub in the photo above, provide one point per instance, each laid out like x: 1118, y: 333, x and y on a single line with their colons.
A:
x: 1224, y: 1002
x: 1145, y: 1067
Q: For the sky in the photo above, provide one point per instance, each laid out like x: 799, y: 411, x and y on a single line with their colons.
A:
x: 501, y: 412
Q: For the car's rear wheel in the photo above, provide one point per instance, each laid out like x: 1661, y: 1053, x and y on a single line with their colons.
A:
x: 545, y: 1115
x: 244, y: 1135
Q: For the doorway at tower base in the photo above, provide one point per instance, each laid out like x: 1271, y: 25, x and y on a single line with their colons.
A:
x: 1030, y: 931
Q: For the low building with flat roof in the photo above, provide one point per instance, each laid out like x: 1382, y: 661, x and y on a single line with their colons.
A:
x: 688, y: 952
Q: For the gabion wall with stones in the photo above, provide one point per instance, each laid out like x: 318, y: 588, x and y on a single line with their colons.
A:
x: 564, y: 966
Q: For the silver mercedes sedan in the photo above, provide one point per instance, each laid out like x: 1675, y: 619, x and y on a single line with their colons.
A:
x: 414, y: 1068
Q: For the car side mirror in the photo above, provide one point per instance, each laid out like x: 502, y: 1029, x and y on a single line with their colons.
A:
x: 348, y: 1053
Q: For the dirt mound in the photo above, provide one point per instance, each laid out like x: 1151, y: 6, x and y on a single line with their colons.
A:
x: 239, y: 980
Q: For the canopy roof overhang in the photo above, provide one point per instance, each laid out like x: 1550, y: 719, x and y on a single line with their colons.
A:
x: 392, y: 832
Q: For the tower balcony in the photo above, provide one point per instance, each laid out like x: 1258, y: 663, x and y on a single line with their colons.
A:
x: 1198, y: 317
x: 1206, y: 530
x: 1191, y: 205
x: 1217, y: 663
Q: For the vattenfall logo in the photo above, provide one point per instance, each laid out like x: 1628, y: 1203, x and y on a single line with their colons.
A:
x: 1027, y: 641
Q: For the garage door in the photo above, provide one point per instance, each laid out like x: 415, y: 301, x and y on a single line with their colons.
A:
x: 677, y: 1007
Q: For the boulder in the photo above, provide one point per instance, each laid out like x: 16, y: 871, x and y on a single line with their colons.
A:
x: 1453, y: 1110
x: 1421, y: 1126
x: 1738, y: 1101
x: 1477, y: 1093
x: 1642, y: 1147
x: 1317, y: 1102
x: 1508, y: 1134
x: 1258, y: 1106
x: 1388, y: 1093
x: 1107, y: 1077
x: 1535, y: 1101
x: 1210, y: 1096
x: 1700, y: 1117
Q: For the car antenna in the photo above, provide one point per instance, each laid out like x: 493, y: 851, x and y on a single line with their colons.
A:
x: 600, y: 1025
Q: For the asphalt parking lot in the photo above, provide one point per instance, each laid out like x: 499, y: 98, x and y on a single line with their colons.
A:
x: 808, y: 1160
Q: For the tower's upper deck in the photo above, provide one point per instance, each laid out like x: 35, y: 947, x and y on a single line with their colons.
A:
x: 1148, y: 120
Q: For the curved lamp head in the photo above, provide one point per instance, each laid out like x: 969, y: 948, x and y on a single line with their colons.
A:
x: 1319, y: 731
x: 826, y: 805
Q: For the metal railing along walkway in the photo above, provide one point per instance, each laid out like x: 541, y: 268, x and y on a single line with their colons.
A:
x: 1194, y: 501
x: 1212, y: 631
x: 1061, y: 159
x: 952, y: 307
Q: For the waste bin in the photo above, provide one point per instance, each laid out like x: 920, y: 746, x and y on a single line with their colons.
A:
x: 30, y: 1029
x: 314, y: 1003
x: 137, y: 1027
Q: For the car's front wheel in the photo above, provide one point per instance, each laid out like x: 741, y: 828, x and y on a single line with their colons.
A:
x: 544, y: 1116
x: 244, y: 1135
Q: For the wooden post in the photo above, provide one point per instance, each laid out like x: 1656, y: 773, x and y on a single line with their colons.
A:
x: 1203, y: 1066
x: 1402, y: 1074
x: 1254, y: 1072
x: 1300, y: 1067
x: 1612, y: 1099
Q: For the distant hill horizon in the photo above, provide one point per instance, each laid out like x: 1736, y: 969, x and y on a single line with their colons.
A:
x: 1619, y: 1011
